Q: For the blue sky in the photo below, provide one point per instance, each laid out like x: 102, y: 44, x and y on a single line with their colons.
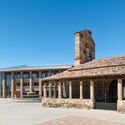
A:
x: 40, y: 32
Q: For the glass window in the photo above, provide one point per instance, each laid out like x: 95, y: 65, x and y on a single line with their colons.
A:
x: 45, y: 74
x: 17, y: 75
x: 52, y: 73
x: 36, y: 84
x: 18, y: 84
x: 35, y: 75
x: 26, y: 75
x: 25, y: 84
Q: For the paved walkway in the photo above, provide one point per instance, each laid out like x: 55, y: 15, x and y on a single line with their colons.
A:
x: 78, y: 120
x: 34, y: 114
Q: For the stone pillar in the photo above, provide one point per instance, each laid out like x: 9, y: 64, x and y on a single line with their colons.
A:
x: 45, y: 91
x: 40, y: 84
x: 64, y: 89
x: 12, y: 84
x: 70, y: 89
x: 92, y: 89
x: 81, y: 89
x: 31, y: 82
x: 59, y: 90
x: 119, y: 89
x: 50, y: 89
x: 4, y: 85
x: 54, y: 90
x: 21, y: 84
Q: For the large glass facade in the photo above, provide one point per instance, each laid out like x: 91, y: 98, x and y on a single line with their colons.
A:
x: 1, y: 85
x: 8, y: 85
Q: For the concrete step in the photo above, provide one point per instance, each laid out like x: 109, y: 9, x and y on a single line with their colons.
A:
x: 29, y: 100
x: 5, y: 100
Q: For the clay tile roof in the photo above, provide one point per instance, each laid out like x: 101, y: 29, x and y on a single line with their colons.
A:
x: 97, y: 67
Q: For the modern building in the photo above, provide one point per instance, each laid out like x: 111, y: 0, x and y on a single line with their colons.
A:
x: 90, y: 83
x: 20, y: 80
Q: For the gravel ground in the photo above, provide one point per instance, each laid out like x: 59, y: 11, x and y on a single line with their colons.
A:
x: 35, y: 114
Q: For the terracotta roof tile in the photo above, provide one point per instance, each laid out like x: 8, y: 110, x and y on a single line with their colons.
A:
x: 98, y: 67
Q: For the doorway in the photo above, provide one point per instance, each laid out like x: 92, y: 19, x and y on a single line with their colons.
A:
x: 107, y: 95
x: 112, y: 97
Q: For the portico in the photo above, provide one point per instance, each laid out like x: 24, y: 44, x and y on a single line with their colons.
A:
x: 81, y: 100
x: 72, y: 99
x: 88, y: 85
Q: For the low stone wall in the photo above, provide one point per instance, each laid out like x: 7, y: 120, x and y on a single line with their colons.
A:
x: 121, y: 106
x: 69, y: 103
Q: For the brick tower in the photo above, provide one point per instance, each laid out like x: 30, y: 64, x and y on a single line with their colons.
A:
x: 84, y: 47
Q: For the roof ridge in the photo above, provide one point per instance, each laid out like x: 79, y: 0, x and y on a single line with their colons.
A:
x: 95, y: 67
x: 108, y: 57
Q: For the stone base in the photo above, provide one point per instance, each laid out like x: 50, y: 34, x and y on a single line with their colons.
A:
x: 69, y: 103
x: 121, y: 106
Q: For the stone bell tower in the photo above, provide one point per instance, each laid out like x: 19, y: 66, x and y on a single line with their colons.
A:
x: 84, y: 47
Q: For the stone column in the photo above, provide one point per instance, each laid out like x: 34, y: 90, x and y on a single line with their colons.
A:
x: 64, y: 89
x: 54, y: 90
x: 59, y: 90
x: 92, y: 89
x: 45, y: 90
x: 12, y: 84
x: 40, y: 84
x: 31, y: 82
x: 21, y: 84
x: 4, y: 85
x: 70, y: 89
x: 81, y: 89
x: 50, y: 89
x: 119, y: 89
